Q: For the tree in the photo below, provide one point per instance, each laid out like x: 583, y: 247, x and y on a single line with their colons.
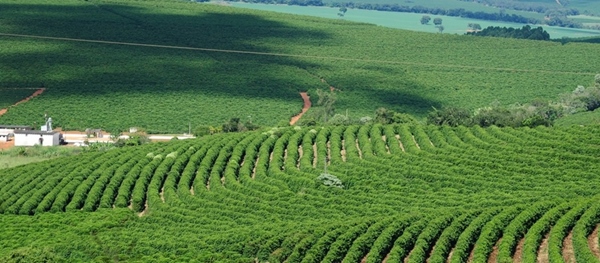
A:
x: 440, y: 28
x: 326, y: 101
x: 437, y: 21
x: 342, y: 12
x: 474, y: 26
x: 449, y: 116
x: 425, y: 20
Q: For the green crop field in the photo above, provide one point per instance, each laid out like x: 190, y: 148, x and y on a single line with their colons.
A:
x: 9, y: 97
x: 409, y: 194
x: 174, y: 81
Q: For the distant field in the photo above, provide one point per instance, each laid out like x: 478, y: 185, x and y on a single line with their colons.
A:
x: 448, y: 4
x: 166, y: 88
x: 411, y: 21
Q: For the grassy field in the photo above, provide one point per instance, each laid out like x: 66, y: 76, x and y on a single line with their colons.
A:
x: 406, y: 193
x: 17, y: 156
x: 451, y: 4
x: 165, y: 88
x: 411, y: 21
x: 10, y: 161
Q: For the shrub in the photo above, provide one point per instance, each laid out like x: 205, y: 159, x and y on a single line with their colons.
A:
x: 330, y: 180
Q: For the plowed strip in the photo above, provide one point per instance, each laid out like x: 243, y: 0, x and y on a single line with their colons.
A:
x: 567, y: 250
x: 493, y: 258
x: 542, y: 255
x: 518, y: 256
x: 400, y: 143
x: 414, y: 140
x: 593, y: 242
x: 450, y: 255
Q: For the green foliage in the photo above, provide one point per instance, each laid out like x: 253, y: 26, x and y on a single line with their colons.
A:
x: 166, y: 89
x: 255, y: 196
x: 425, y: 19
x: 523, y: 33
x: 330, y: 180
x: 385, y: 116
x: 449, y: 116
x: 32, y: 255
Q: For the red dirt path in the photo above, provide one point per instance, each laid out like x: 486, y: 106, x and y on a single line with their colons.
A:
x: 36, y: 93
x: 305, y: 108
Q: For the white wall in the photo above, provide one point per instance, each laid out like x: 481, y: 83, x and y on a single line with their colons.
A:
x: 34, y: 139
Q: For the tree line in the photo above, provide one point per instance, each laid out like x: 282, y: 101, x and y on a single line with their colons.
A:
x: 532, y: 114
x: 526, y: 32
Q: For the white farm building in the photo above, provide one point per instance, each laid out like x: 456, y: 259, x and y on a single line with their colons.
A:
x: 7, y: 131
x: 32, y: 138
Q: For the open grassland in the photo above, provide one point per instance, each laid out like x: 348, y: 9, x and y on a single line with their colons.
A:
x: 411, y: 21
x: 446, y: 4
x: 164, y: 88
x: 411, y: 194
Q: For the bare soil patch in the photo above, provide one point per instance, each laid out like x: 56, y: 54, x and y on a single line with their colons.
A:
x: 305, y: 108
x: 343, y: 151
x: 493, y: 258
x: 518, y: 256
x: 593, y: 242
x: 358, y: 148
x: 7, y: 145
x: 542, y: 254
x: 414, y: 140
x: 162, y: 194
x: 450, y: 255
x: 300, y: 153
x: 567, y: 251
x: 400, y: 143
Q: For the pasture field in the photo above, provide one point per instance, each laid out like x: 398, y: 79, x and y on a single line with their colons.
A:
x: 410, y: 194
x: 452, y: 4
x: 176, y: 81
x: 411, y: 21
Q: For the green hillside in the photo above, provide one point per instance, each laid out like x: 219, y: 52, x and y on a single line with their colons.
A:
x: 169, y: 85
x: 411, y: 193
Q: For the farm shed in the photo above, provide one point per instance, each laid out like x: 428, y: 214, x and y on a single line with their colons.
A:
x: 31, y: 138
x: 4, y: 136
x: 11, y: 128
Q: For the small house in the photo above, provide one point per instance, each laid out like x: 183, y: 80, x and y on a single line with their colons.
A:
x: 32, y: 138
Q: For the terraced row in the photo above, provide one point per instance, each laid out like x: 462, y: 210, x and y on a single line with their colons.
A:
x: 411, y: 194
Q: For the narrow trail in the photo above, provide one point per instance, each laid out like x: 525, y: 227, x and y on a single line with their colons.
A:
x: 305, y: 108
x: 35, y: 94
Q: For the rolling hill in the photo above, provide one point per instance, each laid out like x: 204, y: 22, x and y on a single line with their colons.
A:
x: 391, y: 193
x: 165, y: 65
